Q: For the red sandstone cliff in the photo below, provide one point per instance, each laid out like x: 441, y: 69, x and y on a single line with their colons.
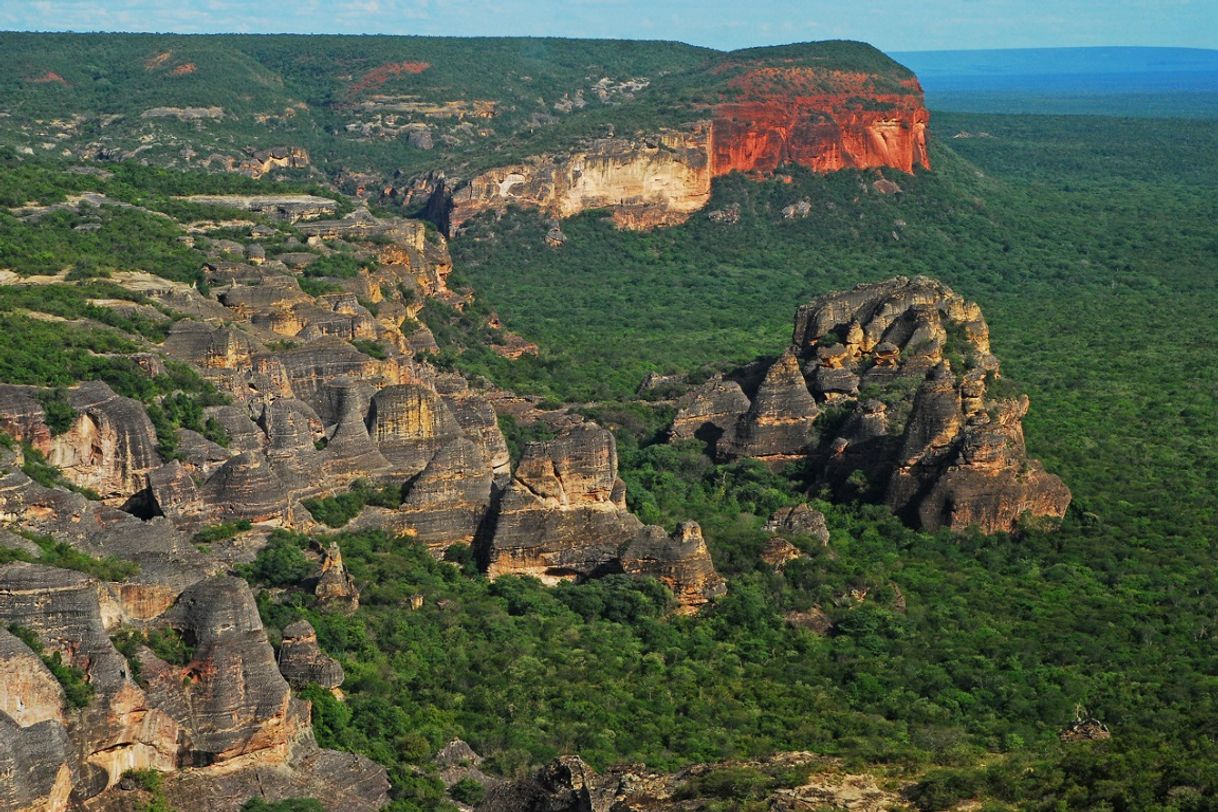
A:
x: 822, y: 119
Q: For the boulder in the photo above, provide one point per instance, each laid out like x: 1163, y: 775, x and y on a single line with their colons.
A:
x: 302, y: 662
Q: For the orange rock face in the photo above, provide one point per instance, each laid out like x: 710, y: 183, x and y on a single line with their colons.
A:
x: 823, y: 120
x: 383, y: 73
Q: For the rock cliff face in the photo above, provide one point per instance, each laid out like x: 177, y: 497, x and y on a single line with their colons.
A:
x: 647, y: 182
x: 824, y: 120
x: 931, y: 442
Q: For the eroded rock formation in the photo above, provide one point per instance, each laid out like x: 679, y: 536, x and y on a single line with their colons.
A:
x: 933, y: 442
x: 681, y: 562
x: 564, y: 517
x: 227, y: 712
x: 301, y: 660
x: 659, y: 180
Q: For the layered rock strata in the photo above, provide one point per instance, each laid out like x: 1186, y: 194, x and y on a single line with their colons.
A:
x: 226, y: 712
x: 658, y: 180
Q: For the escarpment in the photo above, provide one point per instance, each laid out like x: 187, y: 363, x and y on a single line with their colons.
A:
x: 657, y: 180
x: 755, y: 114
x: 924, y: 425
x: 824, y: 120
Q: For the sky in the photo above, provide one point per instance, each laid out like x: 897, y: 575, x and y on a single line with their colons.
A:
x: 892, y: 25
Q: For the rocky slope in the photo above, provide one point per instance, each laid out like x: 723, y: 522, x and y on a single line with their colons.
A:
x: 322, y: 387
x: 927, y: 429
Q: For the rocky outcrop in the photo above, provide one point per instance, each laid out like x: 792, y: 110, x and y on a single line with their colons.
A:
x: 246, y: 487
x: 110, y: 446
x: 225, y: 712
x: 230, y: 700
x: 681, y: 562
x: 446, y: 503
x: 778, y: 552
x: 564, y: 517
x: 302, y: 662
x: 932, y: 443
x: 762, y: 111
x: 335, y: 588
x: 710, y: 412
x: 264, y: 161
x: 564, y: 514
x: 410, y: 423
x: 778, y: 424
x: 117, y: 730
x: 659, y: 180
x: 975, y: 473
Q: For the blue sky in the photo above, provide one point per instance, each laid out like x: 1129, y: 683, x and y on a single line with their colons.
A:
x: 893, y: 25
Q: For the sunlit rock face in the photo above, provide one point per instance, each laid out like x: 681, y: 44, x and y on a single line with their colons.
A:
x: 564, y: 517
x: 649, y: 181
x: 769, y: 113
x: 824, y: 120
